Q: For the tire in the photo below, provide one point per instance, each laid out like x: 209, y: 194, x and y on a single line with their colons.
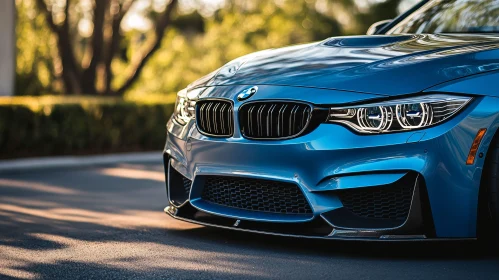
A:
x: 488, y: 212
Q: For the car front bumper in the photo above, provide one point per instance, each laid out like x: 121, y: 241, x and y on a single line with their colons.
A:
x: 333, y: 159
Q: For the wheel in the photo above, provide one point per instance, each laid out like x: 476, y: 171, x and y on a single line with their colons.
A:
x: 488, y: 212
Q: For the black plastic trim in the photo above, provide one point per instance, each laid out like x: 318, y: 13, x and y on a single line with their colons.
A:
x: 200, y: 102
x: 269, y: 101
x: 316, y: 227
x: 417, y: 222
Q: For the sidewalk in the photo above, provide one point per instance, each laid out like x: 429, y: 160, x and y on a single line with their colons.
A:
x: 28, y: 164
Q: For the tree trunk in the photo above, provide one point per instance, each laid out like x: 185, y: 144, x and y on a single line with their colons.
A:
x: 138, y: 65
x: 78, y: 79
x: 89, y: 76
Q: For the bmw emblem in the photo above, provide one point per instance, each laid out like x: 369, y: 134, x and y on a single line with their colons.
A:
x: 247, y: 93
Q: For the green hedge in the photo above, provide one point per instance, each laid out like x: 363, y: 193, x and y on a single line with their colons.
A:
x: 45, y: 126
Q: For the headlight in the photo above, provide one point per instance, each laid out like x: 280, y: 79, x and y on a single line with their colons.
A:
x: 399, y: 115
x: 185, y: 109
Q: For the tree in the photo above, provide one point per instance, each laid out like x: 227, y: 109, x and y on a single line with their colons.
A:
x: 84, y: 74
x: 35, y: 73
x: 241, y: 27
x: 198, y: 37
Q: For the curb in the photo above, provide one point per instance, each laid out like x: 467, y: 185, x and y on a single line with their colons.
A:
x: 30, y: 164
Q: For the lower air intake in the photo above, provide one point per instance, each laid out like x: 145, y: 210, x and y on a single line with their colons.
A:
x: 255, y: 195
x: 179, y: 187
x: 388, y: 202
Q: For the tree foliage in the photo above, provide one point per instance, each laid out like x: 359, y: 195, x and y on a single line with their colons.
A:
x: 179, y: 45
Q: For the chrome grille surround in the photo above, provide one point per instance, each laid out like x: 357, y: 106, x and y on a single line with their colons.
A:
x: 274, y: 119
x: 215, y: 117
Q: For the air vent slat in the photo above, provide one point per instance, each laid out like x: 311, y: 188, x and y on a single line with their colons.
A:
x: 304, y: 117
x: 201, y: 115
x: 292, y: 121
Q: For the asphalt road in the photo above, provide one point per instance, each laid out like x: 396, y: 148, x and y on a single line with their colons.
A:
x: 107, y: 222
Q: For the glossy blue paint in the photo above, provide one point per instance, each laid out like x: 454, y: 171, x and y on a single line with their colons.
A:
x: 359, y: 181
x: 366, y: 64
x: 483, y: 84
x: 353, y: 70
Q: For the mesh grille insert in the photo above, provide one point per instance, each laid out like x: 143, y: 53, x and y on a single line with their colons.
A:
x: 393, y: 202
x: 255, y: 195
x: 187, y: 185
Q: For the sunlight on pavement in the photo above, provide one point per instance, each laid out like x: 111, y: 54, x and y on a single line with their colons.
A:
x: 123, y: 219
x: 142, y: 167
x: 13, y: 272
x: 133, y: 174
x: 32, y: 202
x: 146, y: 256
x: 32, y: 186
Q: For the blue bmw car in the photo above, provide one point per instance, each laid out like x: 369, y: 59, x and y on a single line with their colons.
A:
x: 387, y: 136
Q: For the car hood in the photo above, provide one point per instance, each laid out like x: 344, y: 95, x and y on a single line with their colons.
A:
x: 379, y: 64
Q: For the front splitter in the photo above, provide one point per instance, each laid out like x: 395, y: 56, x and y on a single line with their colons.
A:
x: 362, y: 236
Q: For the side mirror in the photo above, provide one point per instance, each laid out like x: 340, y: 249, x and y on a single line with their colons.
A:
x: 375, y: 27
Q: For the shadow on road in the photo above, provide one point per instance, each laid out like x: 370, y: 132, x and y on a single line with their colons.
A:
x: 108, y: 222
x: 466, y: 250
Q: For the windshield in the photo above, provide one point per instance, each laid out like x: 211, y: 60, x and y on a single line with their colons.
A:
x: 451, y: 16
